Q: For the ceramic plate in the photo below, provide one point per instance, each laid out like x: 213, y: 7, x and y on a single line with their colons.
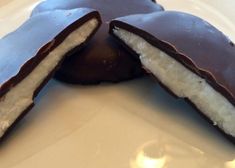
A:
x: 134, y: 124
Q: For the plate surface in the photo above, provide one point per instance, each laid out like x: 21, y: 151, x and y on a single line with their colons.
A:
x: 134, y: 124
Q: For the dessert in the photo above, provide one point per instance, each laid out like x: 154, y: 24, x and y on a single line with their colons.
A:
x: 31, y: 54
x: 188, y: 56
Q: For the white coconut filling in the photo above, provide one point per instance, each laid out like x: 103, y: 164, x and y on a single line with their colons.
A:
x: 182, y: 82
x: 21, y: 96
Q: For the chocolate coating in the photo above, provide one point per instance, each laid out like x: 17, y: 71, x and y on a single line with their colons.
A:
x: 103, y: 59
x: 192, y: 41
x: 22, y: 50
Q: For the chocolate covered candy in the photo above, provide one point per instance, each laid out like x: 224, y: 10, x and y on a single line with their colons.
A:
x: 31, y: 54
x: 103, y: 59
x: 189, y: 56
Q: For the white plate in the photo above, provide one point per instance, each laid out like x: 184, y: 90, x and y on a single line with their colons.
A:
x: 135, y: 124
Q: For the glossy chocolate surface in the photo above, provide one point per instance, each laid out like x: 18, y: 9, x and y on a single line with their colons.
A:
x: 102, y: 59
x: 22, y: 50
x: 194, y: 42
